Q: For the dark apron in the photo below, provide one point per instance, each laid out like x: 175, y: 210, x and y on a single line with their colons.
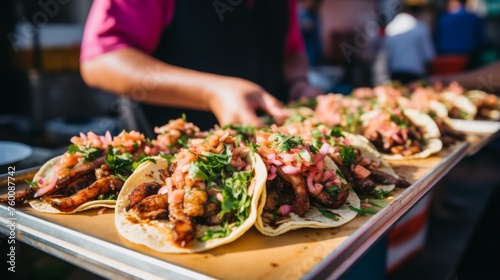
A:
x: 247, y: 43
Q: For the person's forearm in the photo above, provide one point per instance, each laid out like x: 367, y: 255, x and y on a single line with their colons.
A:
x: 142, y: 78
x: 486, y: 78
x: 295, y: 66
x: 134, y: 74
x: 295, y: 71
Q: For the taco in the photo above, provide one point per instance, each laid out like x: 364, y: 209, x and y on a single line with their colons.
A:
x: 487, y: 104
x: 202, y: 198
x: 362, y: 165
x: 401, y: 133
x: 303, y: 189
x: 89, y: 174
x: 82, y: 191
x: 92, y: 171
x: 426, y: 100
x: 364, y: 168
x: 457, y: 103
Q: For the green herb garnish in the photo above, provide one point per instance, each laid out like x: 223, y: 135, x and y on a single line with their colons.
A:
x: 284, y: 143
x: 400, y: 121
x: 381, y: 194
x: 328, y: 214
x: 378, y: 203
x: 215, y: 233
x: 348, y: 155
x: 110, y: 196
x: 89, y: 154
x: 333, y: 190
x: 235, y: 195
x: 211, y: 166
x: 364, y: 210
x: 33, y: 184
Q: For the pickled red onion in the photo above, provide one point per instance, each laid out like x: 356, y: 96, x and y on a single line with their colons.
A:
x: 285, y: 209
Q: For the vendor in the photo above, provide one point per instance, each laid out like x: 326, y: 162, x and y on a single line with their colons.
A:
x: 197, y: 57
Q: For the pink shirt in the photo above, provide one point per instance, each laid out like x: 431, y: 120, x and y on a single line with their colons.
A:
x: 117, y: 24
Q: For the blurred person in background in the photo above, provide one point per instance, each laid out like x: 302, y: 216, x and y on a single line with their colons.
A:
x: 216, y: 61
x: 408, y: 44
x: 459, y: 32
x: 310, y: 26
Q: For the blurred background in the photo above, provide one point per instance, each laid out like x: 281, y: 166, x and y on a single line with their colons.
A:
x: 45, y: 102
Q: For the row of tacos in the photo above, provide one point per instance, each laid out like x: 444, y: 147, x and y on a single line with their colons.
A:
x: 208, y: 189
x: 278, y: 183
x: 190, y: 190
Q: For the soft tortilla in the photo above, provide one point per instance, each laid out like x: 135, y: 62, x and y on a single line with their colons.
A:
x: 432, y: 143
x: 460, y: 102
x: 312, y: 219
x: 47, y: 171
x: 370, y: 151
x: 157, y: 234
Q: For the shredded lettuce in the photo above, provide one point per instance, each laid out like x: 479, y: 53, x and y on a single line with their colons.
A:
x: 123, y: 164
x: 216, y: 168
x: 235, y: 195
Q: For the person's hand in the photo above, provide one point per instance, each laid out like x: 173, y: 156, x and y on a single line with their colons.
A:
x: 303, y: 91
x: 236, y: 100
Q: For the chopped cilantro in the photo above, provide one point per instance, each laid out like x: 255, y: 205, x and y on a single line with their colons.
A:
x: 381, y: 194
x: 89, y: 154
x: 364, y: 210
x: 241, y: 129
x: 335, y: 132
x: 211, y: 166
x: 182, y: 141
x: 351, y: 123
x: 33, y: 184
x: 285, y: 143
x: 378, y: 203
x: 110, y: 196
x: 119, y: 176
x: 339, y: 174
x: 123, y: 164
x: 215, y: 233
x: 328, y: 214
x: 167, y: 157
x: 317, y: 140
x: 333, y: 190
x: 136, y: 164
x: 348, y: 155
x: 400, y: 121
x: 253, y: 146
